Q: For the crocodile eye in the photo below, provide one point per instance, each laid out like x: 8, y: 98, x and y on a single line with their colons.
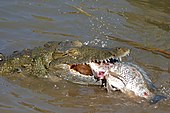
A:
x: 57, y: 55
x: 65, y: 54
x: 73, y: 52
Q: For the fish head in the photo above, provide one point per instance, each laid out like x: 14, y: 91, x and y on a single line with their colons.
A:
x: 140, y: 90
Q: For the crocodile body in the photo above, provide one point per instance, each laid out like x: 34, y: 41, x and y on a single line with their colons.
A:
x: 65, y: 59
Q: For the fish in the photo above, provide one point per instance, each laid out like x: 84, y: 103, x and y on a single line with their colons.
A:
x: 128, y: 78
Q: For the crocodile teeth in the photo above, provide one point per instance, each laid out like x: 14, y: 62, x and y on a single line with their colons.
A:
x: 96, y: 61
x: 101, y: 61
x: 104, y: 61
x: 113, y: 60
x: 108, y: 59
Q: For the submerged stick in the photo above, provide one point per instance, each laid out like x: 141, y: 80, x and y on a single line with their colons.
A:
x: 54, y: 33
x: 81, y: 10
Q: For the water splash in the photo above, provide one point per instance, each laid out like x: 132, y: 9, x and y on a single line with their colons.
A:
x: 97, y: 42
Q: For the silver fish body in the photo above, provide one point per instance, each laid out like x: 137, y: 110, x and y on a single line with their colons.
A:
x: 128, y: 78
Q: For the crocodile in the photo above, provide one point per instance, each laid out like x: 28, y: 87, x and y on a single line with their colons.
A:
x: 68, y: 60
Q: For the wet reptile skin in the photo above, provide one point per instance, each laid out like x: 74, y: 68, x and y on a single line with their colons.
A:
x: 51, y: 58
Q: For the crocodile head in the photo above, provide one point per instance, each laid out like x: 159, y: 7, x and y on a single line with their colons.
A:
x: 85, y: 54
x: 67, y: 59
x: 74, y: 65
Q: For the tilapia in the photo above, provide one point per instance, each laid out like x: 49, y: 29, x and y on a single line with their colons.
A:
x: 128, y: 78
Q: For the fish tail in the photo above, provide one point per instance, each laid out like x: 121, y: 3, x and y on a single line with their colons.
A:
x: 157, y: 98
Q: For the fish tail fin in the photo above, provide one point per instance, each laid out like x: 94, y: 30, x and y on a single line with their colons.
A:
x: 157, y: 98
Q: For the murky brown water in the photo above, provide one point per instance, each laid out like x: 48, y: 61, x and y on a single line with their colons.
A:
x: 30, y: 23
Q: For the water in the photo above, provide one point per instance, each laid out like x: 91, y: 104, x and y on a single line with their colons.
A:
x: 30, y: 23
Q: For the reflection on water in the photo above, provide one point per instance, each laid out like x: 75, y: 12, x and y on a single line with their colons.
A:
x: 27, y: 24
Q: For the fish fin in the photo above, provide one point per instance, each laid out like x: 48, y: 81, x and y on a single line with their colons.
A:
x: 152, y: 87
x: 114, y: 88
x: 157, y: 98
x: 117, y: 76
x: 104, y: 83
x: 108, y: 87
